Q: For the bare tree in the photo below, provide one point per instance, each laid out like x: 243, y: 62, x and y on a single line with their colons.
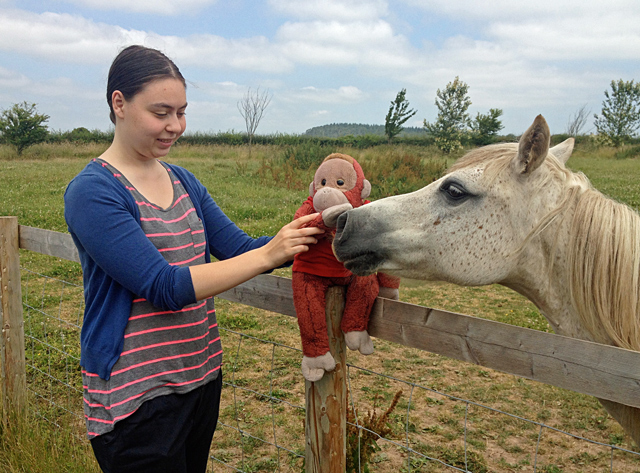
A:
x: 578, y: 121
x: 251, y: 107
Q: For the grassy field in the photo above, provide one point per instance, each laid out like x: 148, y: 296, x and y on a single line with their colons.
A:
x: 261, y: 192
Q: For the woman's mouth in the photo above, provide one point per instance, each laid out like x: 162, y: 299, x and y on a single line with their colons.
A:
x: 165, y: 142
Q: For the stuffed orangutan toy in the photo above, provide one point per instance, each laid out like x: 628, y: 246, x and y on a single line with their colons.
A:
x: 338, y: 185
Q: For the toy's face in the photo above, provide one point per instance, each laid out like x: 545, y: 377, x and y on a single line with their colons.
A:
x: 335, y: 183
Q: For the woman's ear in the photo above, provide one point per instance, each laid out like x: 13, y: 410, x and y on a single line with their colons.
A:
x: 117, y: 103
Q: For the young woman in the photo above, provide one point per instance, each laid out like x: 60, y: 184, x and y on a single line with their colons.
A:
x: 150, y: 349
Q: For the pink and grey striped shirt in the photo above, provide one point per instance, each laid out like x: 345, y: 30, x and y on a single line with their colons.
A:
x: 164, y: 351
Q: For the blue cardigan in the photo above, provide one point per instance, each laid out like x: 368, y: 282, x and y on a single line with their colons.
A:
x: 120, y: 262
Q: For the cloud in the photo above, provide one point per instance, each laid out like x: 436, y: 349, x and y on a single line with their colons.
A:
x: 614, y: 35
x: 216, y: 52
x: 548, y: 29
x: 12, y: 80
x: 332, y: 10
x: 158, y: 7
x: 16, y: 83
x: 65, y: 38
x: 331, y: 43
x: 344, y: 94
x: 508, y: 10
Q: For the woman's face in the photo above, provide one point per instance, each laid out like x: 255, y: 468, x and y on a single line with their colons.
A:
x: 153, y: 119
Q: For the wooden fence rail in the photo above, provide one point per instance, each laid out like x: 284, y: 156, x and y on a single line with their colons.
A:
x: 589, y: 368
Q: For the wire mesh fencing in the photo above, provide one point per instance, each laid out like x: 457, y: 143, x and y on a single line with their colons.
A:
x: 405, y: 413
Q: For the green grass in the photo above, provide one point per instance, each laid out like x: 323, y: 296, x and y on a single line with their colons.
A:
x: 261, y: 199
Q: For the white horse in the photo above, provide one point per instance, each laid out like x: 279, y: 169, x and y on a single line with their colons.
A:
x: 513, y: 214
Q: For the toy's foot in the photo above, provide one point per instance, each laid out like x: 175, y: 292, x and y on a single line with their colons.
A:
x: 359, y: 341
x: 313, y: 368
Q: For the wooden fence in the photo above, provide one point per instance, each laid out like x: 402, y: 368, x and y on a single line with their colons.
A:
x: 589, y: 368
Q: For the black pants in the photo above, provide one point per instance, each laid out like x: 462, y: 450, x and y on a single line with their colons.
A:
x: 169, y: 434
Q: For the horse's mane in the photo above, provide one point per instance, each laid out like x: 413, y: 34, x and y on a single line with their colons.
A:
x: 604, y: 257
x: 603, y: 247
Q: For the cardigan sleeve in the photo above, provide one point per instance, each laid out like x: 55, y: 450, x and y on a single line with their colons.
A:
x: 104, y: 221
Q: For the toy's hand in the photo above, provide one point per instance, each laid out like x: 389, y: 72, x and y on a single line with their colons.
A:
x: 330, y: 215
x: 389, y: 293
x: 313, y: 368
x: 359, y: 341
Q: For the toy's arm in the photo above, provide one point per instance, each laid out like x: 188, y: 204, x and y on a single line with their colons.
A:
x: 327, y: 219
x: 307, y: 209
x: 388, y: 286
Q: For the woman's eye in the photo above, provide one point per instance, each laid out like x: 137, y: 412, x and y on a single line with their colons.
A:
x: 454, y: 191
x: 340, y: 182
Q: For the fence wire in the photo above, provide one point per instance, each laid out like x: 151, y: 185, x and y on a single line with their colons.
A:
x: 394, y: 425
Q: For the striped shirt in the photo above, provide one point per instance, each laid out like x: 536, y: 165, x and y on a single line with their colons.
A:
x: 164, y: 352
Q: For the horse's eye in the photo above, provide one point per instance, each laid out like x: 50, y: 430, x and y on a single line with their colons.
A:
x: 454, y: 191
x: 340, y: 182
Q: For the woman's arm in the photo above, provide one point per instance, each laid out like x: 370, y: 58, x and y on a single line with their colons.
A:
x: 213, y: 278
x: 111, y: 242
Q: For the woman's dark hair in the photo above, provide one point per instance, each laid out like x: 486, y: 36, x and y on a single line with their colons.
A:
x: 134, y: 68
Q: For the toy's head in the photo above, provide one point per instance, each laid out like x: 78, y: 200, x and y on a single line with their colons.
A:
x: 338, y: 180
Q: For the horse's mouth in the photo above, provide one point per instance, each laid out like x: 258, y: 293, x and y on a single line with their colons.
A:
x: 363, y: 264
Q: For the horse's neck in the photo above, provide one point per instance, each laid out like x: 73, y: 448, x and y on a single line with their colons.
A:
x: 553, y: 301
x: 542, y: 276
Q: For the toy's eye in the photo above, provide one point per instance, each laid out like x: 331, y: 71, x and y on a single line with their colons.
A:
x: 324, y: 182
x: 340, y: 182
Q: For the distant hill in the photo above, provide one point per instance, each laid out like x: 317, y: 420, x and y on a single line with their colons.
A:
x: 337, y: 130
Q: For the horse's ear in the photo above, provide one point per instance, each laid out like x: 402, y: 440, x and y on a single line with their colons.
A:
x: 533, y: 146
x: 563, y: 150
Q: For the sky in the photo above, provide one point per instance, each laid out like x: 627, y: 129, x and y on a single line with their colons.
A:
x: 324, y: 61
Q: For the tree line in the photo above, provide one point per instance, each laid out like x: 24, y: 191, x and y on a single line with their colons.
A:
x: 617, y: 124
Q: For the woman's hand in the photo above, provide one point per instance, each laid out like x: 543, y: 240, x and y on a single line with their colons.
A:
x: 213, y: 278
x: 291, y: 240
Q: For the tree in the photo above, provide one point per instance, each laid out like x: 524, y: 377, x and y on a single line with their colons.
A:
x: 453, y: 120
x: 484, y: 128
x: 577, y: 121
x: 620, y: 118
x: 397, y: 116
x: 251, y: 107
x: 21, y: 126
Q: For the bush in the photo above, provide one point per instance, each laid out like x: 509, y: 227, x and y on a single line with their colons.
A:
x: 399, y: 172
x: 305, y: 155
x: 80, y: 135
x: 628, y: 152
x: 21, y: 126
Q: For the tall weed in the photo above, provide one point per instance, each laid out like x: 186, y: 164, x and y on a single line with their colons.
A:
x: 391, y: 170
x: 31, y: 445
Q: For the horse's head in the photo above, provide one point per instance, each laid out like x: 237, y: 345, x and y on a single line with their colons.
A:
x: 467, y: 227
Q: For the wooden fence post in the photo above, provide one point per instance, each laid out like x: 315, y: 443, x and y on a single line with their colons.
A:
x: 13, y: 378
x: 326, y: 401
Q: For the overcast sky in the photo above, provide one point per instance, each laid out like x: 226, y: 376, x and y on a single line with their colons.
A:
x: 324, y: 61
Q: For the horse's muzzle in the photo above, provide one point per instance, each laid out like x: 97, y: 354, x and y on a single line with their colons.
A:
x: 353, y: 247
